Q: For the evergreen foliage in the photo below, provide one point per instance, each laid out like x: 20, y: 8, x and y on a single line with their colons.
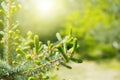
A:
x: 27, y: 58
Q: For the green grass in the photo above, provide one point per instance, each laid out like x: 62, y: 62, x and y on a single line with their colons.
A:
x: 106, y: 70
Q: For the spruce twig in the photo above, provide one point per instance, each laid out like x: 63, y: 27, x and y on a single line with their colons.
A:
x: 47, y: 63
x: 8, y: 25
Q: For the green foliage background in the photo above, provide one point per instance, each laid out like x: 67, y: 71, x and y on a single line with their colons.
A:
x: 94, y: 22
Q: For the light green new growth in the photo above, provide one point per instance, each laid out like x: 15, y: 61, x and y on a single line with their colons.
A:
x: 28, y: 58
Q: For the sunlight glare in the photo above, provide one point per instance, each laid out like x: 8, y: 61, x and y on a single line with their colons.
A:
x: 48, y: 10
x: 45, y: 6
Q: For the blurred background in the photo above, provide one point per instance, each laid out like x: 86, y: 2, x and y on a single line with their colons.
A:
x: 96, y: 24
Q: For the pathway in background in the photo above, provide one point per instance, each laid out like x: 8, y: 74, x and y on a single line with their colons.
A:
x: 89, y: 71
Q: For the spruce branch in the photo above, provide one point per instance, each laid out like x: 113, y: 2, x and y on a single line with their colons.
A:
x: 52, y: 61
x: 60, y: 59
x: 43, y: 65
x: 29, y: 56
x: 8, y: 25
